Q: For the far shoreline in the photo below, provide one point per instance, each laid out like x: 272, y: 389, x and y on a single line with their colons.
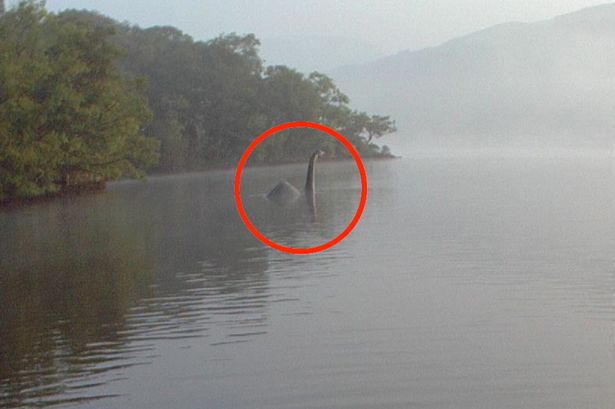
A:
x: 100, y: 188
x: 229, y: 166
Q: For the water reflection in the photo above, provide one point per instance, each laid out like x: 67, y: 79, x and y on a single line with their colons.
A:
x: 94, y: 286
x: 466, y: 284
x: 89, y: 285
x: 64, y: 295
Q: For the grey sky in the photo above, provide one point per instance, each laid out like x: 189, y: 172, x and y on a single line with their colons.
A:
x: 392, y: 25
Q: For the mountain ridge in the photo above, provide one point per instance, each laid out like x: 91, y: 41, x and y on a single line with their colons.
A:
x: 541, y: 83
x: 316, y: 52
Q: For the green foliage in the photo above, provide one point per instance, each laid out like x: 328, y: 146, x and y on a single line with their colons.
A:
x: 86, y: 99
x: 64, y: 109
x: 210, y: 99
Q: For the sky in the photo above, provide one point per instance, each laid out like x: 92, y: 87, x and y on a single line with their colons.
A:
x: 391, y: 25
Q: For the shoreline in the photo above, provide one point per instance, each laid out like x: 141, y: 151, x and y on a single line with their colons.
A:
x: 101, y: 187
x: 230, y: 166
x: 75, y: 190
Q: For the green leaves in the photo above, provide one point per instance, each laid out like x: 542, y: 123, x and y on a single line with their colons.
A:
x: 84, y: 99
x: 64, y: 109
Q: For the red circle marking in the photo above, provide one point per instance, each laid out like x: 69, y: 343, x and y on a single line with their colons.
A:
x: 294, y: 250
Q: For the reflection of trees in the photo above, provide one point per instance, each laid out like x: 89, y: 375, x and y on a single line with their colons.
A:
x: 202, y: 238
x: 88, y: 285
x: 63, y: 298
x: 201, y: 232
x: 85, y: 285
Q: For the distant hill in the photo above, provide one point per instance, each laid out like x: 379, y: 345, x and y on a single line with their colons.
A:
x: 550, y: 83
x: 315, y: 53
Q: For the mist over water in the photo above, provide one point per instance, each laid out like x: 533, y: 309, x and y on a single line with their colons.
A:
x: 469, y: 282
x: 544, y: 85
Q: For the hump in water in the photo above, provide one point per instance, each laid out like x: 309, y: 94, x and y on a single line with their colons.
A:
x: 284, y: 192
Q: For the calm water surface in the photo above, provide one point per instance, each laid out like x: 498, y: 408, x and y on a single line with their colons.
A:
x: 468, y: 283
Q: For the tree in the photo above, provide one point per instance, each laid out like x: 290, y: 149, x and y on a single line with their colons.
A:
x: 64, y: 109
x: 209, y: 99
x: 378, y: 126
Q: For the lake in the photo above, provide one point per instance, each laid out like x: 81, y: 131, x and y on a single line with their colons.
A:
x: 468, y: 283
